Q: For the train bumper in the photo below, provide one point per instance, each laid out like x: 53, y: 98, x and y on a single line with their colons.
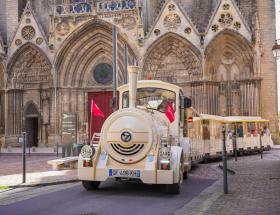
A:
x: 146, y: 176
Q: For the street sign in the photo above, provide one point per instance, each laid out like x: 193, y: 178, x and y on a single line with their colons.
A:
x: 20, y: 140
x: 190, y: 119
x: 69, y: 128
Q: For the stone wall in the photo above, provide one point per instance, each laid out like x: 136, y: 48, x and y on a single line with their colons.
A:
x: 266, y: 10
x: 12, y: 18
x: 3, y: 20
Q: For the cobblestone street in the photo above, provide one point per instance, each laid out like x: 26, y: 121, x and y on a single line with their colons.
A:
x: 254, y: 189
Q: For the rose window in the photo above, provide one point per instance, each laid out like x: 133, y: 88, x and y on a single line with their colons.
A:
x: 28, y: 32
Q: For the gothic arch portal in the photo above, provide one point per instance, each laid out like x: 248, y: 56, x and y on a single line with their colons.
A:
x: 173, y: 59
x: 29, y: 76
x: 84, y: 49
x: 231, y: 64
x: 29, y: 67
x: 229, y: 56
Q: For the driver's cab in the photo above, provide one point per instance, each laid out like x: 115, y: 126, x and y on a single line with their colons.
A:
x: 155, y: 96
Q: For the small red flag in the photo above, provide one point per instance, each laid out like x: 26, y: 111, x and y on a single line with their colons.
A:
x: 149, y: 76
x: 95, y: 111
x: 170, y: 113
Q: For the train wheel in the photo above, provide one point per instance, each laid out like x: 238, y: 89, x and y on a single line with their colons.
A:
x: 185, y: 175
x: 90, y: 185
x: 176, y: 188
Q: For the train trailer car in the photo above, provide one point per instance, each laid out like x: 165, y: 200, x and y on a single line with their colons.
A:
x: 144, y: 140
x: 250, y: 134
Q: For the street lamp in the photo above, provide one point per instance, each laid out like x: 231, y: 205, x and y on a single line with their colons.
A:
x: 276, y: 49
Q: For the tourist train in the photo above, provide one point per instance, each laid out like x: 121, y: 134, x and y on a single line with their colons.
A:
x: 142, y: 142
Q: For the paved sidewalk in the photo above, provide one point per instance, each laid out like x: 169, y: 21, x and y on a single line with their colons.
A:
x: 37, y: 150
x: 38, y: 171
x: 253, y: 190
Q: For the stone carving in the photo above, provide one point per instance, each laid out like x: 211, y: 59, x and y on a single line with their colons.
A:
x: 172, y: 60
x: 188, y: 30
x: 237, y: 25
x: 228, y: 58
x: 226, y: 19
x: 215, y: 28
x: 31, y: 67
x: 27, y: 13
x: 157, y: 32
x: 226, y: 6
x: 63, y: 28
x: 39, y: 40
x: 28, y: 32
x: 171, y: 7
x: 18, y: 42
x: 172, y: 21
x: 128, y: 22
x: 28, y: 21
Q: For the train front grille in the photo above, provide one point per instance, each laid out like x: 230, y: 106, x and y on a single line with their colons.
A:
x: 127, y: 150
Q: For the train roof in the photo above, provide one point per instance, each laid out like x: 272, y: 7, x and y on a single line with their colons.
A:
x: 209, y: 117
x: 152, y: 83
x: 245, y: 119
x: 230, y: 119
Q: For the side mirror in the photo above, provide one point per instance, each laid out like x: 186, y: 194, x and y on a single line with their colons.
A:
x: 187, y: 102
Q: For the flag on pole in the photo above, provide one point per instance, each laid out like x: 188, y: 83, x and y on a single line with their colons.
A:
x: 95, y: 110
x: 170, y: 113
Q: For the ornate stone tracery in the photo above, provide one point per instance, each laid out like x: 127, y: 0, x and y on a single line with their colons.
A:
x: 173, y: 60
x: 31, y: 67
x: 28, y: 32
x: 229, y: 66
x: 172, y: 21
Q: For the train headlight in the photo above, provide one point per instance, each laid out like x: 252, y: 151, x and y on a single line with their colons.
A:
x: 87, y: 152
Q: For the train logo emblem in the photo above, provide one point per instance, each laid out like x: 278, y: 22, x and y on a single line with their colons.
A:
x: 126, y: 137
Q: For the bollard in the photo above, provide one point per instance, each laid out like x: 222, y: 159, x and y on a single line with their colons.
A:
x: 224, y: 161
x: 56, y: 147
x: 24, y: 158
x: 234, y: 146
x: 261, y: 150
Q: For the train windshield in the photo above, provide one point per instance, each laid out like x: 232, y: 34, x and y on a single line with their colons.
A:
x: 152, y: 98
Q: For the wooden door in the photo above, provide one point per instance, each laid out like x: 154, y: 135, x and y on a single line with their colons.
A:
x: 103, y: 101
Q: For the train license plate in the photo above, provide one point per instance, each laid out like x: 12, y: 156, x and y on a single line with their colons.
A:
x: 124, y: 173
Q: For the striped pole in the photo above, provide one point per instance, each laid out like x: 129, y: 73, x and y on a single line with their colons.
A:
x: 115, y: 67
x: 125, y: 64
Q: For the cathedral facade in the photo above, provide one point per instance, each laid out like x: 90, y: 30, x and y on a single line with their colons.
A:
x: 56, y: 55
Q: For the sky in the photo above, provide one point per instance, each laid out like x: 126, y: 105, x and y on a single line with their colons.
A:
x: 277, y: 3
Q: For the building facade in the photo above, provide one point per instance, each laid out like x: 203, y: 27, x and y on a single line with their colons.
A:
x: 56, y: 55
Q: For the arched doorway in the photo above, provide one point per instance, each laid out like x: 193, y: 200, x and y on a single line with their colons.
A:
x: 29, y: 77
x: 32, y: 125
x: 84, y: 65
x: 230, y: 65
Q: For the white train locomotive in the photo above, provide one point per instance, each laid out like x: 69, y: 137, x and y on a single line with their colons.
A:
x: 138, y: 142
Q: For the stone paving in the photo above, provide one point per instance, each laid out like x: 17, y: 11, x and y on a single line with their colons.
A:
x: 38, y: 171
x: 254, y: 189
